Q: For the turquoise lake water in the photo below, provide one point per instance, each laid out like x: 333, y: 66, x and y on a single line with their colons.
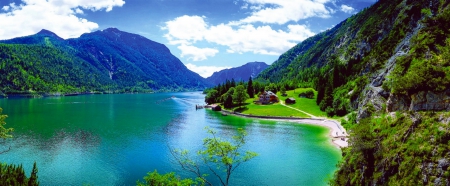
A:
x: 117, y: 139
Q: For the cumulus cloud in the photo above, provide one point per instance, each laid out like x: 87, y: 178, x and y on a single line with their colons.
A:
x: 187, y: 30
x: 204, y: 71
x: 347, y: 9
x: 283, y: 11
x: 244, y: 35
x: 197, y: 54
x: 59, y: 16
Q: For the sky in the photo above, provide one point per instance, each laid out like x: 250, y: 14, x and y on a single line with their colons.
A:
x: 206, y: 35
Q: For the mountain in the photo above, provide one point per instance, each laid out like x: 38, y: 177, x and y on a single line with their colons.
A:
x: 379, y: 50
x: 386, y: 69
x: 242, y: 73
x: 103, y: 61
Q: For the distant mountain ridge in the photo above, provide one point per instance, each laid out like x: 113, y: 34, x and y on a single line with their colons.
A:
x: 241, y: 73
x: 107, y: 60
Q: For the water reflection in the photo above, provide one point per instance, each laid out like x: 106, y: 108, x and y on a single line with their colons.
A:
x: 117, y: 139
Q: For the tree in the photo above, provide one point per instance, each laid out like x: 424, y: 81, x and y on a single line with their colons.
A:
x: 4, y: 132
x: 211, y: 96
x: 240, y: 95
x: 272, y: 87
x: 12, y: 174
x: 283, y: 90
x: 221, y: 157
x: 156, y: 179
x: 15, y: 175
x: 227, y: 98
x: 33, y: 176
x: 228, y: 101
x: 250, y: 89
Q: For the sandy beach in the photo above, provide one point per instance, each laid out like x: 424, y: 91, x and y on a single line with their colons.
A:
x: 338, y: 134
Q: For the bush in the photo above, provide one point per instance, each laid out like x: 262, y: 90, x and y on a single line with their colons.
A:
x: 308, y: 93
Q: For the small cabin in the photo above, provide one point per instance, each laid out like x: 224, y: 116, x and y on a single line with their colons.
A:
x: 216, y: 108
x: 290, y: 101
x: 268, y: 97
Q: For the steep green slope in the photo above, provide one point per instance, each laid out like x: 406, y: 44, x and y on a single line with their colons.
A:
x: 389, y: 65
x: 364, y: 49
x: 103, y: 61
x: 130, y: 59
x: 397, y: 149
x: 36, y: 69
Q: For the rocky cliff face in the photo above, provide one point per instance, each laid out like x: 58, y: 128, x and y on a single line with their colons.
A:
x: 422, y: 101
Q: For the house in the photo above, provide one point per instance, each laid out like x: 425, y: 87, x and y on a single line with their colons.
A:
x: 290, y: 101
x: 267, y: 97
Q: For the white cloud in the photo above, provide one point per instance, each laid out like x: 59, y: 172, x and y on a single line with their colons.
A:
x: 58, y: 16
x: 5, y: 8
x: 204, y: 71
x: 197, y: 54
x: 187, y: 30
x: 283, y: 11
x: 347, y: 9
x: 242, y: 36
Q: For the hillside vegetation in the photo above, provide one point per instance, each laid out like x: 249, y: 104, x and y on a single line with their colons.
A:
x: 390, y: 43
x: 102, y: 61
x: 389, y: 67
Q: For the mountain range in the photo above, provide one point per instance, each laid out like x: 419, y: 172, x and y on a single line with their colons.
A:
x: 103, y: 61
x: 241, y: 73
x: 387, y: 70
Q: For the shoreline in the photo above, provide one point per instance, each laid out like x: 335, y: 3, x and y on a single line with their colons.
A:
x: 337, y: 132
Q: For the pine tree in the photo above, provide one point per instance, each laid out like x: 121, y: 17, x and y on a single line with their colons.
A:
x: 250, y: 89
x: 33, y: 177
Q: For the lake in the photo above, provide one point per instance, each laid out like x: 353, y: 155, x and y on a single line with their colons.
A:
x: 116, y: 139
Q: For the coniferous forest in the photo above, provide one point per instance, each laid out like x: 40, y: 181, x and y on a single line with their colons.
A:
x: 108, y: 61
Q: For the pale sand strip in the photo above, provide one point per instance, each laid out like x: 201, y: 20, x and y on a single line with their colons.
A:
x: 336, y: 130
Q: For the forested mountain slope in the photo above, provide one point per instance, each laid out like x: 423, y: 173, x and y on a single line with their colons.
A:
x: 241, y: 73
x: 377, y: 50
x: 390, y: 66
x: 102, y: 61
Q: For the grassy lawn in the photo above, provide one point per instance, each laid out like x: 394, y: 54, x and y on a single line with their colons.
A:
x: 269, y: 110
x: 305, y: 104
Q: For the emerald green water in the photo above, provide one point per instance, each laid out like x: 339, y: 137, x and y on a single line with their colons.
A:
x: 117, y: 139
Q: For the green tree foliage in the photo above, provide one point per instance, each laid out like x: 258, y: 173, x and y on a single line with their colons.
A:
x: 283, y: 90
x: 240, y: 95
x: 211, y: 96
x: 228, y: 98
x: 272, y: 87
x: 307, y: 93
x: 220, y: 156
x: 95, y: 62
x: 169, y: 179
x: 250, y: 89
x: 401, y: 149
x: 4, y: 132
x: 419, y: 73
x: 226, y: 91
x: 15, y: 175
x: 336, y: 61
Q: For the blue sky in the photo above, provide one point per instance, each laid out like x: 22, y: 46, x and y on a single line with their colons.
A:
x: 207, y: 35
